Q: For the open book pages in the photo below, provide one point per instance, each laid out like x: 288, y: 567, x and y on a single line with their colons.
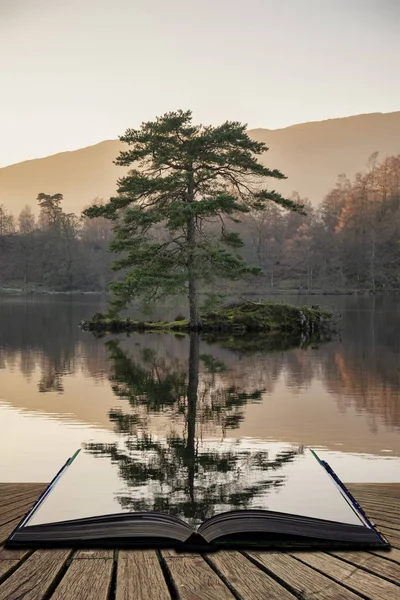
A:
x: 194, y: 484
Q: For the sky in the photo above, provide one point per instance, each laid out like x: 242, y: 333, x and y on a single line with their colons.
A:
x: 76, y: 72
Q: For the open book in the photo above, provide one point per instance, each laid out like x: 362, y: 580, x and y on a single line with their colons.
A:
x: 289, y: 499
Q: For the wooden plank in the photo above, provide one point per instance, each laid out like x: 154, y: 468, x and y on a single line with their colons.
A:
x: 19, y: 509
x: 379, y: 503
x: 6, y: 567
x: 140, y: 577
x: 377, y: 492
x: 35, y: 577
x: 7, y: 488
x: 394, y: 535
x: 357, y: 580
x: 194, y: 578
x: 9, y: 559
x: 6, y: 554
x: 392, y: 554
x: 6, y: 491
x: 250, y: 582
x: 386, y: 523
x: 373, y: 494
x: 377, y: 486
x: 390, y: 488
x: 370, y: 496
x: 381, y: 511
x: 87, y: 578
x: 8, y: 501
x: 19, y: 491
x: 390, y: 502
x: 87, y: 554
x: 8, y: 528
x: 380, y: 499
x: 305, y: 581
x: 17, y: 501
x: 393, y: 541
x: 376, y: 514
x: 371, y: 563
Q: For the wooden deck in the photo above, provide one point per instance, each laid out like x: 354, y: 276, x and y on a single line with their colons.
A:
x: 154, y: 575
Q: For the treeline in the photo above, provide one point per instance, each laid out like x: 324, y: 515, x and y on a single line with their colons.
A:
x: 56, y: 250
x: 350, y: 241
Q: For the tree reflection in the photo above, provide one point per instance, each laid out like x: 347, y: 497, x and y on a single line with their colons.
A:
x: 156, y: 386
x: 40, y: 338
x: 181, y: 473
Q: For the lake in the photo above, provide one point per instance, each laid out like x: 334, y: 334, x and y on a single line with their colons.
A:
x: 61, y: 388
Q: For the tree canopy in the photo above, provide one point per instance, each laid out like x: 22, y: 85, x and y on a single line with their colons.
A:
x: 172, y: 209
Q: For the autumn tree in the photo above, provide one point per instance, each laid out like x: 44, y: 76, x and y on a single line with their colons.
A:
x: 266, y: 229
x: 183, y: 178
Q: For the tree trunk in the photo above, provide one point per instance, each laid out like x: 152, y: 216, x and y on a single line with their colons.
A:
x: 192, y: 409
x: 193, y: 293
x: 196, y: 323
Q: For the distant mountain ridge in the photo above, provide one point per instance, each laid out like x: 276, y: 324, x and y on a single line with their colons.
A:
x: 310, y: 154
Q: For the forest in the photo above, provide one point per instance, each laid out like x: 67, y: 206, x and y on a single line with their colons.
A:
x: 349, y: 242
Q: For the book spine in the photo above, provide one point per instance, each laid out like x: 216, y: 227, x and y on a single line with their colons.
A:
x: 351, y: 498
x: 44, y: 495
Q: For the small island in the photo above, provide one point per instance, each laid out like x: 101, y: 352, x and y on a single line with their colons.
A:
x: 244, y: 317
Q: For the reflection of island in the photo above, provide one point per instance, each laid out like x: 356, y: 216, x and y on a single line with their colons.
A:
x: 182, y: 474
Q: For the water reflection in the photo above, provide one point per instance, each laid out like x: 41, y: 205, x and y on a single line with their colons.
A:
x: 187, y: 478
x: 192, y: 480
x: 160, y: 383
x: 342, y: 395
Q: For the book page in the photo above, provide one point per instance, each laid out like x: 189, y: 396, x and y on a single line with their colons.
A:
x: 158, y: 475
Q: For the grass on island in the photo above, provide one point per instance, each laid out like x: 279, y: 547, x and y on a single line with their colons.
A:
x: 239, y: 318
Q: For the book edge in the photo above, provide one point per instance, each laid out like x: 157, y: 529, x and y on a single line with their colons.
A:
x: 350, y: 498
x: 43, y: 496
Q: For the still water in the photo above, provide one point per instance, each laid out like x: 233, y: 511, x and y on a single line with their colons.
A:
x: 61, y: 388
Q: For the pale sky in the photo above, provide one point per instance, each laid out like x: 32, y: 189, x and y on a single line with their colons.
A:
x: 76, y: 72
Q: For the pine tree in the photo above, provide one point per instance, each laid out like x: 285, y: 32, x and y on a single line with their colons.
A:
x: 184, y: 180
x: 50, y: 209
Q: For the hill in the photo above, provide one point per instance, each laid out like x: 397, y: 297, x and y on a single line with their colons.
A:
x: 310, y: 154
